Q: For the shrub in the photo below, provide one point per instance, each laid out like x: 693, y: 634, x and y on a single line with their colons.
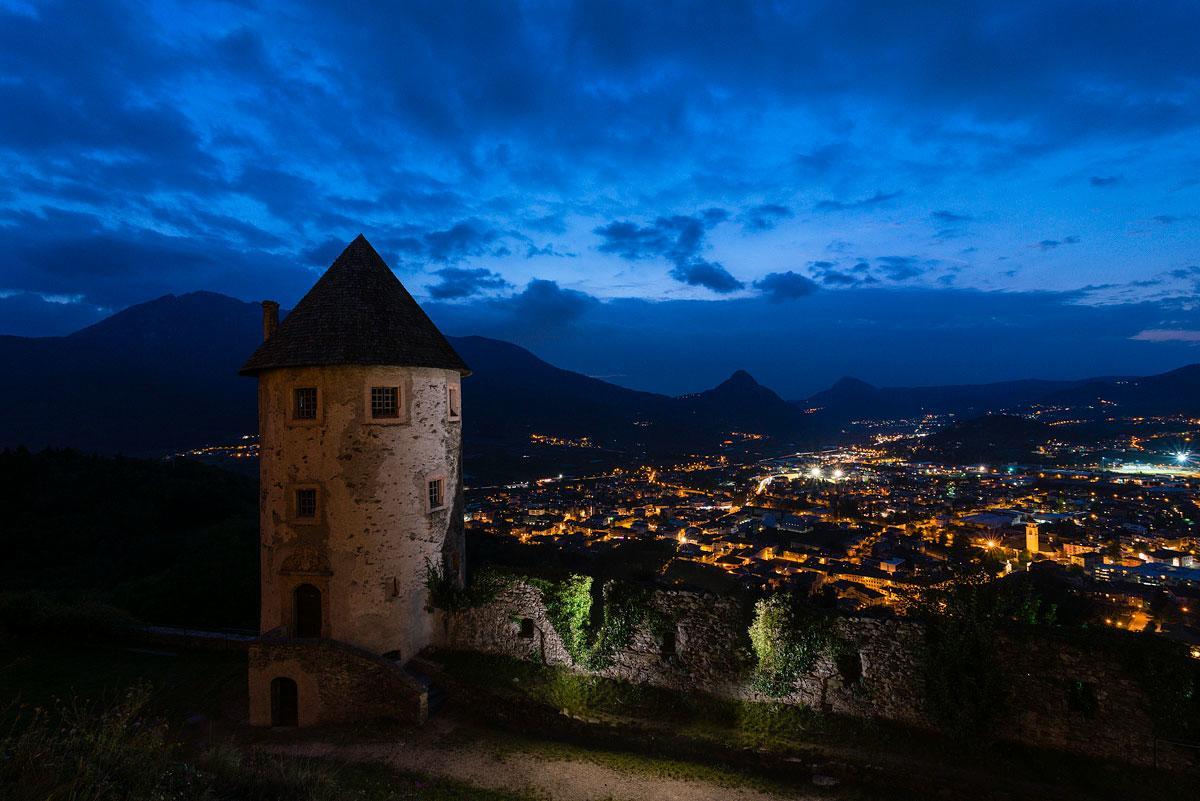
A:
x: 965, y: 685
x: 82, y: 753
x: 593, y: 641
x: 446, y: 593
x: 788, y: 637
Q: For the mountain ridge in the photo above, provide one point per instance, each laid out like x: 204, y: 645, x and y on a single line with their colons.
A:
x: 162, y: 375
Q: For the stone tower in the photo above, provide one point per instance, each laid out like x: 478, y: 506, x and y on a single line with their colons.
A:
x: 1031, y: 537
x: 360, y: 466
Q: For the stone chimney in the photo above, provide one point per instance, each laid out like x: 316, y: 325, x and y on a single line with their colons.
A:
x: 270, y: 318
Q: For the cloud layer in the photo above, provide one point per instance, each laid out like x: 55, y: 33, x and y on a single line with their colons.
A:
x: 545, y: 158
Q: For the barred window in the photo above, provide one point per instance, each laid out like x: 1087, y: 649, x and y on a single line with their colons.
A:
x: 306, y: 503
x: 304, y: 403
x: 452, y: 403
x: 437, y: 494
x: 385, y: 401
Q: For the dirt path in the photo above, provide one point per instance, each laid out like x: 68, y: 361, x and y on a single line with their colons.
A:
x: 435, y: 751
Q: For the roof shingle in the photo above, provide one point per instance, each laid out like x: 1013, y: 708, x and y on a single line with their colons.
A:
x: 357, y: 313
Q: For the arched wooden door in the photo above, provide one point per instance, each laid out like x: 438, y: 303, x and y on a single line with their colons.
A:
x: 285, y: 702
x: 306, y: 612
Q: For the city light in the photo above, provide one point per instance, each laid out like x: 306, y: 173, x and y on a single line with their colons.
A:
x: 814, y: 473
x: 1182, y: 457
x: 838, y: 473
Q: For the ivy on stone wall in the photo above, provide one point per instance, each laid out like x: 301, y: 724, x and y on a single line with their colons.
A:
x: 446, y: 594
x: 569, y: 607
x: 1169, y: 678
x: 593, y: 641
x: 789, y: 637
x: 966, y: 688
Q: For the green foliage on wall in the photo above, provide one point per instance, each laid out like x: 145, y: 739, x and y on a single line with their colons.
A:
x: 593, y: 640
x: 965, y: 686
x: 788, y: 636
x: 1170, y: 679
x: 627, y: 608
x: 446, y: 593
x: 569, y: 606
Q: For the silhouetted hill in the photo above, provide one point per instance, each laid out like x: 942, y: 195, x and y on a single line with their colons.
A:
x: 159, y: 375
x: 851, y: 399
x: 992, y: 438
x: 162, y: 375
x: 1176, y: 392
x: 742, y: 404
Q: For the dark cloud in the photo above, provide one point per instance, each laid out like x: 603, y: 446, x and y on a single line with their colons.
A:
x: 1051, y: 244
x: 874, y: 200
x: 1104, y: 180
x: 461, y: 240
x: 533, y: 251
x: 862, y: 273
x: 764, y: 217
x: 831, y: 274
x: 234, y: 147
x: 460, y: 282
x: 545, y: 305
x: 778, y: 287
x: 902, y: 268
x: 68, y: 254
x: 679, y: 239
x: 1191, y: 271
x: 951, y: 217
x: 708, y: 274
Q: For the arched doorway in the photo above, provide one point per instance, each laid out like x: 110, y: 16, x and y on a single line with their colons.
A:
x: 306, y: 612
x: 285, y: 702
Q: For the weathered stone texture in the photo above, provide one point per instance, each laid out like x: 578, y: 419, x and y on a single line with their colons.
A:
x: 712, y: 655
x: 367, y: 549
x: 336, y: 683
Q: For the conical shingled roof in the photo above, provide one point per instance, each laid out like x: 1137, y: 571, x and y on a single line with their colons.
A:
x: 358, y: 313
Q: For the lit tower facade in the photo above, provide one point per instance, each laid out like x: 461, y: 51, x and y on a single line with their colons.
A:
x: 360, y: 465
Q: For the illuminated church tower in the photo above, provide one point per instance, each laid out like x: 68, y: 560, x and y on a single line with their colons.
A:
x: 360, y: 466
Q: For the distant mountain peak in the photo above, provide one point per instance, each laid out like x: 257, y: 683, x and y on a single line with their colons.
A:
x: 851, y: 384
x: 740, y: 378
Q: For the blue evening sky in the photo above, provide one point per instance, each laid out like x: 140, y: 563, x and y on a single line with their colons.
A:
x: 656, y: 192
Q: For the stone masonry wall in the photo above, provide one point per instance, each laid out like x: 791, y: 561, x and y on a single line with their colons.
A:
x: 336, y: 683
x: 712, y: 654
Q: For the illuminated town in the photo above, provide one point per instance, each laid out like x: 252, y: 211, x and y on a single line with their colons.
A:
x: 867, y: 528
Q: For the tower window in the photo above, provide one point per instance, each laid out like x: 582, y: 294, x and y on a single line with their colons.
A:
x: 306, y: 503
x: 385, y: 402
x: 453, y: 410
x: 437, y: 494
x: 304, y: 403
